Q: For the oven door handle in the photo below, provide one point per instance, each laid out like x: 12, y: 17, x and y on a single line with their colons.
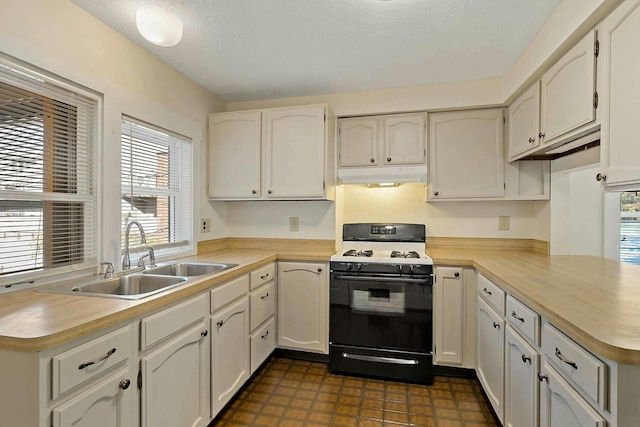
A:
x: 383, y: 279
x: 390, y: 360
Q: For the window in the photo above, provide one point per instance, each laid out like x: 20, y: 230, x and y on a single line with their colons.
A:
x: 48, y: 203
x: 630, y: 227
x: 156, y: 186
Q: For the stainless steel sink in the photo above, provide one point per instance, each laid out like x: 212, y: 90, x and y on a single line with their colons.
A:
x: 133, y: 286
x: 189, y: 269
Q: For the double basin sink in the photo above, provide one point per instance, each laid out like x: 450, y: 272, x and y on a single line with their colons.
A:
x: 140, y: 285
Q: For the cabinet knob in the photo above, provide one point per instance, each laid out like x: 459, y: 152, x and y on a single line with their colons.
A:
x: 601, y: 177
x: 124, y: 384
x: 388, y: 159
x: 543, y: 377
x: 435, y: 193
x: 456, y: 274
x: 526, y: 359
x: 204, y: 333
x: 373, y: 160
x: 268, y: 191
x: 496, y: 325
x: 319, y: 269
x: 219, y: 323
x: 532, y: 140
x: 541, y: 135
x: 253, y: 192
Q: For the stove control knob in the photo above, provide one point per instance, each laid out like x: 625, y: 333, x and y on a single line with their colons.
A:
x: 399, y: 268
x: 412, y: 269
x: 359, y: 267
x: 349, y: 266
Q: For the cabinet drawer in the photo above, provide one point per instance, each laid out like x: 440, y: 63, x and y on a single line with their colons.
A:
x: 492, y: 293
x: 263, y: 342
x: 230, y: 291
x: 80, y: 364
x: 262, y: 276
x: 523, y: 319
x: 263, y: 304
x: 577, y: 364
x: 158, y: 326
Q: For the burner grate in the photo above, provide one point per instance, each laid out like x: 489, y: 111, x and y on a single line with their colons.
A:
x: 411, y: 254
x: 353, y: 252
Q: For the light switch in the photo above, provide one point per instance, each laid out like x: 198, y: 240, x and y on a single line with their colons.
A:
x: 294, y: 223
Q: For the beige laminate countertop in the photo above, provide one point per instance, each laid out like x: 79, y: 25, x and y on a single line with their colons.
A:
x: 33, y: 321
x: 594, y: 300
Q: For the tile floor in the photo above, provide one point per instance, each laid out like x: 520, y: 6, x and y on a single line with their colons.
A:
x: 294, y: 393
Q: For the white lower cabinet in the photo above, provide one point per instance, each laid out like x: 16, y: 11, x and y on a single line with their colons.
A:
x: 107, y: 404
x: 263, y: 342
x: 521, y: 382
x: 303, y: 306
x: 230, y: 354
x: 449, y: 316
x: 562, y: 406
x: 490, y: 355
x: 174, y: 382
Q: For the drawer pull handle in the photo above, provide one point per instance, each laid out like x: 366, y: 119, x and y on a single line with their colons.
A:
x: 526, y: 359
x: 264, y: 337
x: 265, y: 276
x: 264, y: 297
x: 515, y: 316
x: 105, y: 357
x: 219, y: 323
x: 543, y: 377
x: 496, y: 325
x: 124, y: 384
x: 559, y: 355
x: 204, y: 333
x: 486, y: 291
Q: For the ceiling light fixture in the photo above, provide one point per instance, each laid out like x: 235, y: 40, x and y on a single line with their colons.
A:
x: 159, y: 26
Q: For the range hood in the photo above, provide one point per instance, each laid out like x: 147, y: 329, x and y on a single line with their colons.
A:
x: 383, y: 174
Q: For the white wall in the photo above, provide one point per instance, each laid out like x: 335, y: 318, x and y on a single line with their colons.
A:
x: 63, y: 39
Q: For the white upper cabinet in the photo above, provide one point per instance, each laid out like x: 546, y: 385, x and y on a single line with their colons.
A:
x: 568, y: 88
x: 295, y: 145
x: 524, y: 122
x: 466, y: 154
x: 396, y: 139
x: 275, y: 154
x: 404, y: 137
x: 620, y: 96
x: 234, y: 155
x: 358, y: 141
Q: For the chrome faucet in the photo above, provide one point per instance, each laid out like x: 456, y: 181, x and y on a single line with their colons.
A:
x: 126, y: 261
x: 109, y: 273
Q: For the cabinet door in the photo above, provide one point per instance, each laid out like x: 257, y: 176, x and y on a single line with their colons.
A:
x: 524, y: 122
x: 404, y: 136
x: 108, y: 404
x: 302, y: 306
x: 490, y: 354
x: 230, y: 357
x: 449, y: 316
x: 466, y: 157
x: 358, y: 139
x: 295, y: 151
x: 620, y: 95
x: 567, y: 91
x: 561, y: 406
x: 175, y: 382
x: 521, y: 382
x: 234, y: 155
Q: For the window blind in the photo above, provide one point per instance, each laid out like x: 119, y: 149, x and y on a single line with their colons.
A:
x: 48, y: 202
x: 156, y: 185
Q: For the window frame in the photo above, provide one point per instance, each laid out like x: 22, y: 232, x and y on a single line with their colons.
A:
x: 27, y: 278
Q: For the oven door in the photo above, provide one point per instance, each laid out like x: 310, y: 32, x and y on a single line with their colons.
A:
x: 381, y: 311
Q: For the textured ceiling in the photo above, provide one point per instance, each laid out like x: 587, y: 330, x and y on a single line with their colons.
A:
x: 260, y: 49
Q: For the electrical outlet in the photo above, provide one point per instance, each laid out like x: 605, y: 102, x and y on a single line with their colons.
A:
x: 294, y: 223
x: 206, y: 225
x: 504, y: 222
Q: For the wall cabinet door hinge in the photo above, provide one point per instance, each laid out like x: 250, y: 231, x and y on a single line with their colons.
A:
x: 325, y: 118
x: 139, y: 380
x: 595, y: 100
x: 505, y: 185
x: 324, y: 185
x: 504, y: 120
x: 596, y: 48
